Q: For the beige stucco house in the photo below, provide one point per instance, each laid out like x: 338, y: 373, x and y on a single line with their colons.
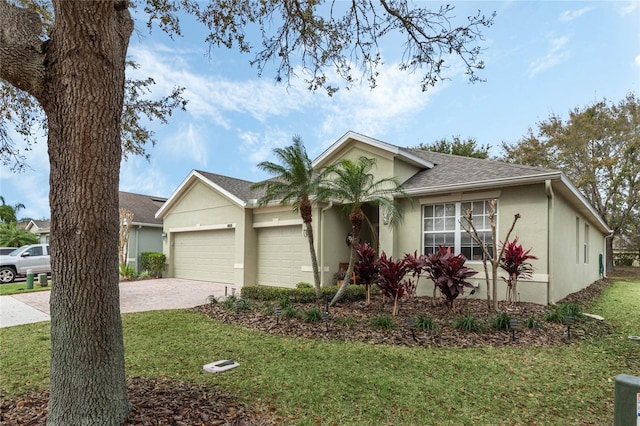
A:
x: 215, y: 230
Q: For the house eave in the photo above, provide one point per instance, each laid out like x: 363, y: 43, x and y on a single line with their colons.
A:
x: 492, y: 183
x: 395, y: 151
x: 192, y: 177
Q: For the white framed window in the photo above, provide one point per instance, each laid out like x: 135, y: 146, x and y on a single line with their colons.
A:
x: 441, y: 226
x: 586, y: 244
x: 577, y: 239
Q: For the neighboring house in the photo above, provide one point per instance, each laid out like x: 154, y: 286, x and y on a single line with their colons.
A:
x: 215, y: 230
x: 42, y: 228
x: 146, y: 231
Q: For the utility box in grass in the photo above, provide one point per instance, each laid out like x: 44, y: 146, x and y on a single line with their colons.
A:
x: 627, y: 401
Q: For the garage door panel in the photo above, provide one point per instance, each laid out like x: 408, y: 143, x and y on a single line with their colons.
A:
x: 281, y: 253
x: 205, y: 255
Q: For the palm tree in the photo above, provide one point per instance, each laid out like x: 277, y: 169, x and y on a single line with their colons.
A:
x: 352, y: 184
x: 10, y: 236
x: 8, y: 213
x: 294, y: 184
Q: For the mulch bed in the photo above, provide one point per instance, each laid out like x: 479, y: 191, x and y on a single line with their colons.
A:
x: 351, y: 321
x: 169, y: 402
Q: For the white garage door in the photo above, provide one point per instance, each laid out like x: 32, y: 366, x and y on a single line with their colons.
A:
x: 205, y: 255
x: 282, y: 251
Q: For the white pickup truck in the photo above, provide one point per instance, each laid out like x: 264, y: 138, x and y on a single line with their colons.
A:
x: 35, y: 257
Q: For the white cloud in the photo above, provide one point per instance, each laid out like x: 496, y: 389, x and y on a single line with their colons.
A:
x: 395, y: 101
x: 189, y: 142
x: 137, y: 176
x: 211, y: 96
x: 631, y: 7
x: 570, y: 15
x: 637, y: 60
x: 556, y: 53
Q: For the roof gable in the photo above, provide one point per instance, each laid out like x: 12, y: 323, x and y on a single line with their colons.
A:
x: 351, y: 137
x: 237, y: 190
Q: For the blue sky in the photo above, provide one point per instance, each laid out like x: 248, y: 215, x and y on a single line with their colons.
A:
x: 542, y: 58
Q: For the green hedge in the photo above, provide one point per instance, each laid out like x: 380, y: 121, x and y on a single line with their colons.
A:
x: 300, y: 295
x: 153, y: 262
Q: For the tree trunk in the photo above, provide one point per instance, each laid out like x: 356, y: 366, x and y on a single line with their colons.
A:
x: 352, y: 261
x: 609, y: 254
x: 84, y: 90
x: 314, y: 261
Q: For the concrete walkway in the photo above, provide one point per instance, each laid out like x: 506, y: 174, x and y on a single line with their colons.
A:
x: 135, y: 296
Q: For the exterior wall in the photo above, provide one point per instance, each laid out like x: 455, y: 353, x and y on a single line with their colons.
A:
x: 333, y: 250
x: 143, y: 239
x: 203, y: 208
x: 570, y: 273
x: 529, y: 201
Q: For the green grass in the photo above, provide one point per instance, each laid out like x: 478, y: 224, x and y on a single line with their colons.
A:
x: 19, y: 288
x: 314, y: 382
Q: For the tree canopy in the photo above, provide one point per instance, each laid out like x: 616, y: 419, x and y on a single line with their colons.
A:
x: 467, y: 148
x: 598, y: 148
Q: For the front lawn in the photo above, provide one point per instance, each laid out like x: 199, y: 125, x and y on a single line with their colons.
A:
x: 20, y: 288
x: 311, y: 382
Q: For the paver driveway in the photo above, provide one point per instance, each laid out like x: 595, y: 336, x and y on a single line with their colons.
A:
x: 135, y: 296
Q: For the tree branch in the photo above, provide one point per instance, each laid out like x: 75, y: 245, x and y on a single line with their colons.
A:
x: 22, y: 52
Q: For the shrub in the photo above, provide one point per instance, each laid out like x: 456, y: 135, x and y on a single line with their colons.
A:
x: 425, y: 323
x: 448, y: 273
x: 313, y: 315
x: 127, y: 272
x: 266, y: 308
x: 229, y: 302
x: 391, y: 279
x: 303, y: 284
x: 154, y: 262
x: 571, y: 309
x: 345, y: 321
x: 531, y: 322
x: 467, y: 323
x: 284, y: 303
x: 501, y: 321
x: 384, y: 322
x: 243, y: 305
x: 560, y: 311
x: 289, y: 312
x: 299, y: 295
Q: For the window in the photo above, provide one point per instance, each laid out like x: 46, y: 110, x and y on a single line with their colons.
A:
x: 441, y: 226
x: 586, y: 243
x: 35, y: 251
x: 577, y: 240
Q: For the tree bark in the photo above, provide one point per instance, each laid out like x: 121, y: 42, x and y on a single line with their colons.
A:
x: 83, y: 99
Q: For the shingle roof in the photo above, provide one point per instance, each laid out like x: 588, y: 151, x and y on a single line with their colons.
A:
x: 453, y: 170
x: 144, y: 207
x: 238, y: 187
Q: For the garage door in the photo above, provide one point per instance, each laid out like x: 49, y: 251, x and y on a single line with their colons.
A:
x: 205, y: 255
x: 282, y: 251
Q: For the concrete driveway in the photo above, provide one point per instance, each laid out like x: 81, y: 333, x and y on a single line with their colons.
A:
x: 135, y: 296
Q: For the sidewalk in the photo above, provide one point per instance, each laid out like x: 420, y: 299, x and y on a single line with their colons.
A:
x: 135, y: 296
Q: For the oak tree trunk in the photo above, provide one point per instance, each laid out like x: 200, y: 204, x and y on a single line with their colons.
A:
x: 83, y: 98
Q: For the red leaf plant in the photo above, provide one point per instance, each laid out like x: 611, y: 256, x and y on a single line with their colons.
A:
x: 449, y: 273
x: 515, y: 263
x: 367, y: 268
x: 391, y: 279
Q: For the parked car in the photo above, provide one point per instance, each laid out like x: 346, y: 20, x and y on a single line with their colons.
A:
x: 35, y: 257
x: 6, y: 250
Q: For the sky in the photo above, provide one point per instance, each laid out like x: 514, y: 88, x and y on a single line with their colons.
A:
x: 541, y: 58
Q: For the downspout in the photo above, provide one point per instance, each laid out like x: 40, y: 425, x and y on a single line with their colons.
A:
x: 549, y: 190
x: 321, y: 242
